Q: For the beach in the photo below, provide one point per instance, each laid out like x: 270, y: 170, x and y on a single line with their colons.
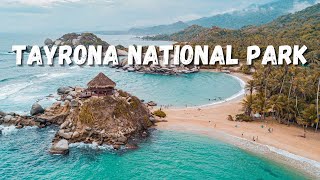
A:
x: 212, y: 121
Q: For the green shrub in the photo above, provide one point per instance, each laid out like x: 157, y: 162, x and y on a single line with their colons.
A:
x: 85, y: 115
x: 160, y: 113
x: 243, y: 117
x: 123, y: 93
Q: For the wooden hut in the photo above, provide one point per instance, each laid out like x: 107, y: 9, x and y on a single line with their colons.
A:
x: 101, y: 85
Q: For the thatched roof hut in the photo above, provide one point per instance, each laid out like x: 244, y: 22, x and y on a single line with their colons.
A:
x: 101, y: 81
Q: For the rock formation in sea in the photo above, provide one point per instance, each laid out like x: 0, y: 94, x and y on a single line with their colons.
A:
x: 99, y: 114
x: 170, y: 69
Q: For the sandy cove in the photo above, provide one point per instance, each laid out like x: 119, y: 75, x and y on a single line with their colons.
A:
x: 283, y: 137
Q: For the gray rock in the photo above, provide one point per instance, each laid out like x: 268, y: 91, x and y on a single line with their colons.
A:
x: 36, y: 109
x: 64, y: 125
x: 125, y: 67
x: 2, y: 113
x: 121, y: 52
x: 75, y: 42
x: 75, y: 134
x: 122, y: 139
x: 131, y: 69
x: 69, y: 98
x: 7, y: 118
x: 73, y: 93
x: 64, y: 134
x: 58, y: 42
x: 64, y: 90
x: 61, y: 147
x: 48, y: 42
x: 74, y: 103
x: 151, y: 103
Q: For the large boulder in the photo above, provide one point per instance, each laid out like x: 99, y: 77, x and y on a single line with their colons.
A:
x: 151, y: 103
x: 66, y: 135
x: 48, y: 42
x: 61, y: 147
x: 74, y: 103
x: 121, y: 52
x: 36, y: 109
x: 7, y: 118
x: 2, y: 113
x: 64, y: 90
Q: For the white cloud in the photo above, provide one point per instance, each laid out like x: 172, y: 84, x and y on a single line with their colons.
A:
x: 45, y: 3
x: 187, y: 17
x: 298, y: 6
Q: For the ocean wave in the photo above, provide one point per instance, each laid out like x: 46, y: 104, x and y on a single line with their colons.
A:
x: 7, y: 79
x: 11, y: 89
x: 13, y: 78
x: 41, y: 75
x: 82, y: 145
x: 6, y: 53
x: 294, y: 156
x: 7, y: 130
x: 51, y: 75
x: 58, y: 74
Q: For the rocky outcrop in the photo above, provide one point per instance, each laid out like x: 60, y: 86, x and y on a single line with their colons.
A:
x: 17, y: 120
x: 48, y: 42
x: 170, y: 69
x: 36, y: 109
x: 74, y: 39
x: 115, y: 119
x: 64, y: 90
x: 112, y: 120
x: 60, y: 147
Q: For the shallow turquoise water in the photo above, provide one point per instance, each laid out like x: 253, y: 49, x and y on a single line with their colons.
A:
x: 165, y: 155
x: 20, y: 87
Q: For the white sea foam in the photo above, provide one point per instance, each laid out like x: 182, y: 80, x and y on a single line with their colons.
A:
x: 294, y: 156
x: 41, y: 75
x: 7, y: 130
x: 56, y: 75
x: 92, y: 146
x: 48, y: 76
x: 10, y: 89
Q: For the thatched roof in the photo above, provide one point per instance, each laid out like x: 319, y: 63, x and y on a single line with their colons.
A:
x: 101, y: 81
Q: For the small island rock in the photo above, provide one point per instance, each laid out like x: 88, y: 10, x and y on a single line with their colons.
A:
x: 61, y: 147
x: 36, y: 109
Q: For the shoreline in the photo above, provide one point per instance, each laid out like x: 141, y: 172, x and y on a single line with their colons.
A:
x: 284, y: 145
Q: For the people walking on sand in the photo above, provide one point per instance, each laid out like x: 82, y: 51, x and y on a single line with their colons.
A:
x: 253, y: 138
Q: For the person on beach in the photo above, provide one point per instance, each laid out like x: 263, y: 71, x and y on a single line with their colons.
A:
x: 253, y: 138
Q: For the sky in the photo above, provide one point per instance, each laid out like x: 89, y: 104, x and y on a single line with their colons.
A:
x: 90, y: 15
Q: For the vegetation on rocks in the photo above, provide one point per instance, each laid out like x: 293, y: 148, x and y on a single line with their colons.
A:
x: 160, y: 113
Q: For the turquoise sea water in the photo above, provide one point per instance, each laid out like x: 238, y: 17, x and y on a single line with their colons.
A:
x: 20, y: 87
x: 165, y: 155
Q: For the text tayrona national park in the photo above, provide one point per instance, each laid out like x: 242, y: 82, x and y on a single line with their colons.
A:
x: 186, y: 55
